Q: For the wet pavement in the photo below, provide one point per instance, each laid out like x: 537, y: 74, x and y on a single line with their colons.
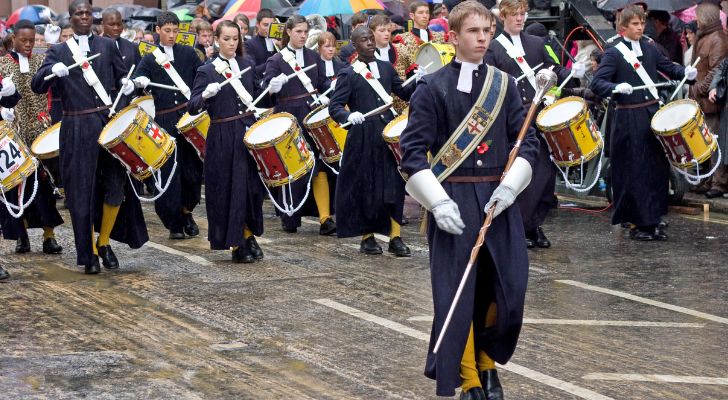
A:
x: 606, y: 318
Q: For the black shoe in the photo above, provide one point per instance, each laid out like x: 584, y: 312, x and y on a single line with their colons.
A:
x: 93, y: 268
x: 491, y: 384
x: 255, y: 250
x: 405, y: 221
x: 50, y: 246
x: 4, y: 274
x: 541, y: 239
x: 475, y: 393
x: 23, y: 245
x: 713, y: 193
x: 328, y: 228
x: 190, y: 228
x: 370, y: 246
x: 398, y: 248
x: 108, y: 257
x: 642, y: 235
x: 288, y: 229
x: 176, y: 235
x: 242, y: 255
x: 660, y: 233
x: 531, y: 237
x: 663, y: 224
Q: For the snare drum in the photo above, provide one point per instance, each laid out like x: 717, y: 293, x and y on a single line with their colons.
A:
x: 16, y: 163
x: 279, y: 149
x: 570, y: 132
x: 146, y: 103
x: 137, y: 141
x: 327, y: 134
x: 681, y: 129
x: 46, y: 145
x: 392, y: 132
x: 194, y: 129
x: 439, y: 54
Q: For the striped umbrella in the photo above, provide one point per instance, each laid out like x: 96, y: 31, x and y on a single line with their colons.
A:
x: 34, y: 13
x: 251, y: 7
x: 335, y: 7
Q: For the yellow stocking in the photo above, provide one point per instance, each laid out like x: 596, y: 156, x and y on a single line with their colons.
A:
x: 468, y: 370
x: 93, y: 242
x: 396, y: 229
x: 367, y: 236
x: 321, y: 195
x: 247, y: 233
x: 108, y: 219
x: 48, y: 233
x: 484, y: 362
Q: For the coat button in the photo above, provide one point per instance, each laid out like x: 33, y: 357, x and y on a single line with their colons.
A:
x: 176, y: 102
x: 476, y: 74
x: 240, y: 112
x: 479, y: 163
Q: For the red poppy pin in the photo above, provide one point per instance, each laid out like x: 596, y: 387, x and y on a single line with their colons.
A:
x: 483, y: 147
x: 298, y: 68
x: 369, y: 75
x: 636, y: 65
x: 519, y: 59
x: 85, y: 65
x: 228, y: 75
x: 167, y: 66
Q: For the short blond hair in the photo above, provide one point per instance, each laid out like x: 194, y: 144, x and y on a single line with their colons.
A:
x: 326, y: 37
x: 510, y: 7
x: 462, y: 11
x: 630, y: 13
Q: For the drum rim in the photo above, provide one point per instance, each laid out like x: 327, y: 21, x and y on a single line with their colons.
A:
x: 291, y: 177
x: 553, y: 128
x: 317, y: 124
x: 195, y: 120
x: 294, y: 127
x: 46, y: 133
x: 126, y: 132
x: 392, y: 123
x: 674, y: 131
x: 22, y: 173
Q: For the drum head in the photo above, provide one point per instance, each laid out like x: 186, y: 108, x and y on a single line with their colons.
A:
x: 429, y: 54
x: 561, y: 112
x: 47, y: 143
x: 118, y: 125
x: 396, y: 130
x: 147, y: 104
x: 268, y: 130
x: 186, y: 119
x: 319, y: 116
x: 674, y: 115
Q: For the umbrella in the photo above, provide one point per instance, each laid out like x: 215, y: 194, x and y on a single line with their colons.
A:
x: 664, y: 5
x: 147, y: 14
x: 251, y: 7
x: 396, y: 7
x: 126, y: 10
x: 334, y: 7
x: 34, y: 13
x: 183, y: 15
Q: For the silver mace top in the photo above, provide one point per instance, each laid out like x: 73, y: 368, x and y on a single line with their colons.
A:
x: 545, y: 80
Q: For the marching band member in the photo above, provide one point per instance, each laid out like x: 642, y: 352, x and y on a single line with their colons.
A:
x: 91, y: 176
x: 369, y: 191
x: 516, y: 53
x: 640, y: 170
x: 385, y: 51
x: 347, y: 53
x: 233, y: 192
x: 443, y: 113
x: 31, y: 117
x: 293, y: 97
x: 174, y: 65
x: 112, y: 25
x: 327, y: 50
x: 260, y: 48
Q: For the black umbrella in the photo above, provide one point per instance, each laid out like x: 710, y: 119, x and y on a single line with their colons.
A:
x: 286, y: 12
x: 147, y: 14
x: 126, y: 10
x: 665, y: 5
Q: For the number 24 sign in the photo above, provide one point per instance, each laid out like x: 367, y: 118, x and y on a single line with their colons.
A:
x: 11, y: 158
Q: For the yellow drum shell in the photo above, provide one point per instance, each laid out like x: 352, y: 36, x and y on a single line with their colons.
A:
x: 691, y: 140
x: 572, y: 138
x: 146, y: 103
x: 41, y: 144
x: 13, y: 171
x: 200, y: 121
x: 329, y: 136
x: 440, y: 54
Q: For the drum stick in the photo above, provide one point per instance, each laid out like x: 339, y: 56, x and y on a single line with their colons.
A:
x: 413, y: 77
x: 161, y: 86
x: 260, y: 97
x: 532, y: 71
x: 568, y: 78
x: 235, y: 76
x: 682, y: 82
x: 112, y: 111
x: 329, y: 90
x: 370, y: 113
x: 670, y: 83
x: 74, y: 65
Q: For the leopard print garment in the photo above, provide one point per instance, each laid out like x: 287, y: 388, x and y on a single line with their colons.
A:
x: 31, y: 105
x: 406, y: 45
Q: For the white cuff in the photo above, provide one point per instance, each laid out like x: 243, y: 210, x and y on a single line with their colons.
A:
x: 425, y: 188
x: 519, y: 176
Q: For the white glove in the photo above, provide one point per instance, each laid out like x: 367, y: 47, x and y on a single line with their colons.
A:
x: 8, y: 88
x: 323, y: 100
x: 548, y: 99
x: 127, y: 86
x: 356, y: 118
x: 52, y: 34
x: 276, y: 84
x: 211, y: 90
x: 333, y: 85
x: 60, y: 70
x: 503, y: 197
x: 141, y: 82
x: 419, y: 73
x: 691, y: 72
x: 624, y: 88
x: 517, y: 178
x: 578, y: 69
x: 7, y: 114
x: 447, y: 216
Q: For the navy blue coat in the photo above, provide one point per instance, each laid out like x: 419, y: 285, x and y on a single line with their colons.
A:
x: 233, y: 191
x: 369, y: 190
x: 255, y: 47
x: 436, y: 109
x: 130, y: 56
x: 640, y: 170
x: 79, y: 150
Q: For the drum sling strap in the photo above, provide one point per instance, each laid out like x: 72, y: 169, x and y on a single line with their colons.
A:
x: 473, y: 129
x: 632, y: 60
x: 518, y: 56
x: 224, y: 69
x: 290, y: 58
x: 362, y: 69
x: 88, y: 72
x: 164, y: 62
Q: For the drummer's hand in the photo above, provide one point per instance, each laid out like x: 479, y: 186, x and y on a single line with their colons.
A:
x: 691, y: 72
x: 7, y: 114
x: 447, y: 216
x: 419, y: 73
x: 548, y: 99
x: 356, y: 118
x: 8, y: 87
x: 127, y: 86
x: 324, y: 100
x: 211, y: 90
x: 624, y: 88
x: 503, y: 197
x: 578, y: 70
x: 60, y: 69
x: 141, y: 82
x: 712, y: 95
x: 276, y: 84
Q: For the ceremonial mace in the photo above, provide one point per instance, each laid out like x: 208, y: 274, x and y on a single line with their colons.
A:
x: 545, y: 79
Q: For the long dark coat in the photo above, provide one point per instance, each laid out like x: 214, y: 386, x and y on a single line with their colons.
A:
x: 83, y: 162
x: 233, y: 191
x: 436, y: 109
x: 640, y: 170
x: 370, y: 189
x: 185, y: 188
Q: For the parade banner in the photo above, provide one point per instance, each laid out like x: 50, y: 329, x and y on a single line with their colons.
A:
x: 146, y: 48
x: 184, y: 26
x: 187, y: 39
x: 276, y: 31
